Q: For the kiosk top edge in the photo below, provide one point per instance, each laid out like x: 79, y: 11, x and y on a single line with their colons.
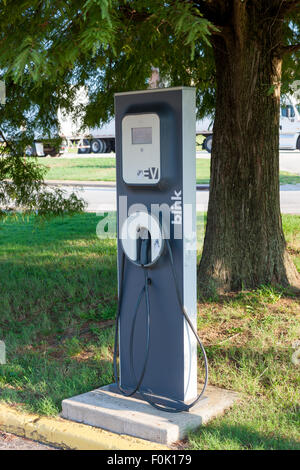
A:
x: 154, y: 90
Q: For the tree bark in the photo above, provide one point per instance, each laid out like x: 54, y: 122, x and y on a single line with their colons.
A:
x: 244, y: 244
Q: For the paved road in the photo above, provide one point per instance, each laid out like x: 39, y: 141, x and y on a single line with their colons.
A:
x: 290, y: 161
x: 11, y: 442
x: 104, y: 199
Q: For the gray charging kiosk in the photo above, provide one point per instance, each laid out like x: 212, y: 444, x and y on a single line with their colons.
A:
x: 156, y: 194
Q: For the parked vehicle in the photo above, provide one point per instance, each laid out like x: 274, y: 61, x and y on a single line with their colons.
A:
x: 290, y: 124
x: 102, y: 140
x: 204, y: 127
x: 289, y: 133
x: 91, y: 140
x: 96, y: 140
x: 44, y: 148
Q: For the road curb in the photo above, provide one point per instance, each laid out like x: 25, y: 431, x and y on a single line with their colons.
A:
x: 92, y: 184
x: 68, y: 434
x: 101, y: 184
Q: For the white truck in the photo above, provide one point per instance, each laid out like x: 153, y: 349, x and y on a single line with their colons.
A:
x: 290, y: 124
x: 74, y: 138
x: 289, y: 133
x: 95, y: 140
x: 102, y: 140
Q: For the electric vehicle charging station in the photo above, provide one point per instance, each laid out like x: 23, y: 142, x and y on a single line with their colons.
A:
x: 156, y: 335
x: 156, y: 338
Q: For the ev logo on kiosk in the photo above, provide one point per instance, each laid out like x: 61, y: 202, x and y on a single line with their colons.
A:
x: 150, y: 173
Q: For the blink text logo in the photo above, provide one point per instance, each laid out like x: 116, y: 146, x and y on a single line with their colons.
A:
x: 176, y: 208
x: 176, y: 211
x: 150, y: 173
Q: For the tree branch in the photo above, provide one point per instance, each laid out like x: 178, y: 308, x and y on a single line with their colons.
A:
x: 288, y: 6
x: 213, y: 10
x: 221, y: 30
x: 8, y: 145
x: 289, y: 49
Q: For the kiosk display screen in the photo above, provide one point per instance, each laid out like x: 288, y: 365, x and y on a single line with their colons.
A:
x: 141, y: 135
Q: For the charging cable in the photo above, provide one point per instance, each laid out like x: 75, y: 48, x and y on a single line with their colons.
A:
x: 145, y: 291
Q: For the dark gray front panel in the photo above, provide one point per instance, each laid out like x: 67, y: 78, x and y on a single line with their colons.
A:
x: 165, y: 371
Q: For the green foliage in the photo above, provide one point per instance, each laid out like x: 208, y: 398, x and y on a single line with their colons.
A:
x: 30, y: 113
x: 22, y: 189
x: 56, y: 47
x: 49, y: 49
x: 291, y: 62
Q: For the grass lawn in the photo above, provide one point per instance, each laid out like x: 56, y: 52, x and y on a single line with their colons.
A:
x: 80, y: 169
x: 58, y: 298
x: 289, y: 178
x: 103, y: 169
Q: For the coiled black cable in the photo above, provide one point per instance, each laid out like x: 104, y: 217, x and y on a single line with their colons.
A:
x: 139, y: 382
x: 145, y: 289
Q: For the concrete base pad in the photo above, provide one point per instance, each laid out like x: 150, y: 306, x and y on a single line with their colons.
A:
x: 111, y: 411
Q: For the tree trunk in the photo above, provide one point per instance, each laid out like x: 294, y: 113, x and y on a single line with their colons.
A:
x: 244, y: 244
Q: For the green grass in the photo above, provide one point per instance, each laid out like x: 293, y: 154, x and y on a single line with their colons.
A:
x: 249, y: 340
x: 202, y: 171
x: 57, y: 283
x: 57, y: 299
x: 103, y: 169
x: 80, y: 169
x: 99, y: 169
x: 289, y: 178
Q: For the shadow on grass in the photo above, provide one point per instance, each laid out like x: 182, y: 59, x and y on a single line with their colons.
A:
x: 56, y: 280
x: 43, y: 391
x: 266, y: 293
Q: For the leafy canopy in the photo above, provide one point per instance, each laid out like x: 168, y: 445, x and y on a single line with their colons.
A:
x: 49, y: 49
